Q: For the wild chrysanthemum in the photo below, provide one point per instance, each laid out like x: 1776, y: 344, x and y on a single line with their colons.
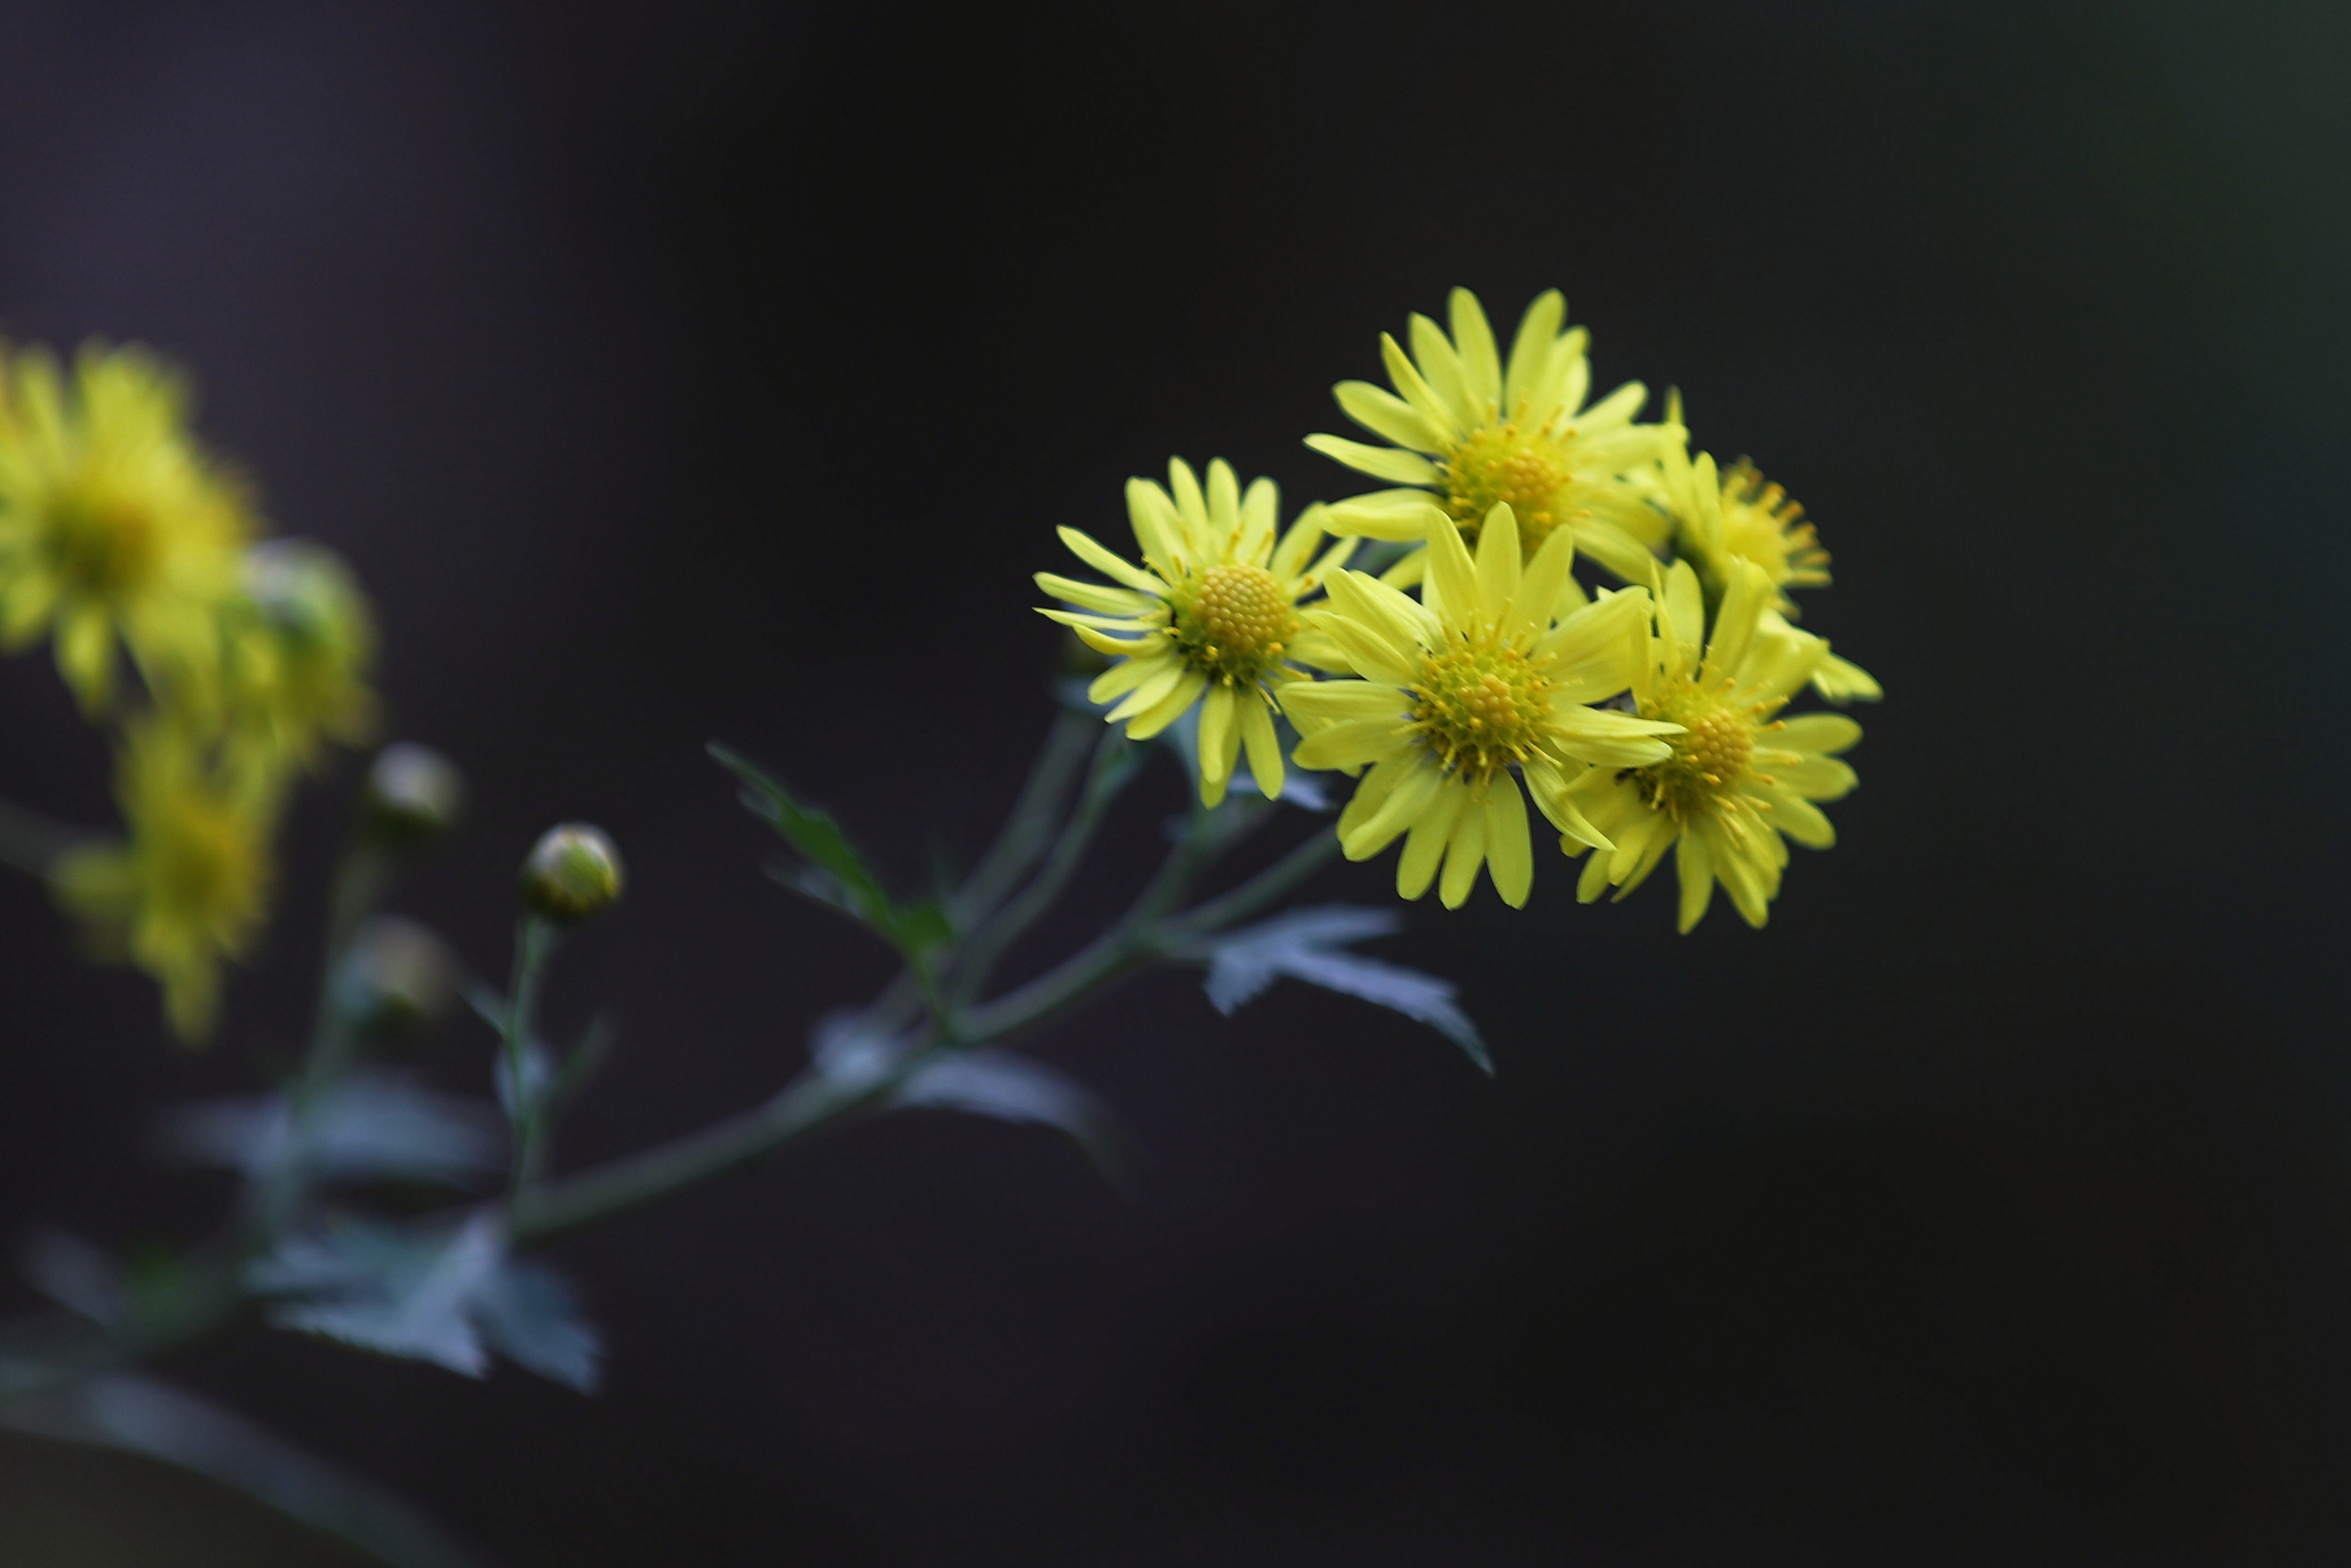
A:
x: 188, y: 888
x: 1474, y: 683
x: 1471, y: 433
x: 113, y: 523
x: 1738, y: 515
x: 299, y: 643
x: 1210, y: 617
x: 1738, y: 778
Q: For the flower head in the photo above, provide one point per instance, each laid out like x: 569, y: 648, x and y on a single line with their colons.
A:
x: 113, y: 523
x: 189, y: 888
x: 1723, y: 518
x: 1471, y: 432
x: 1485, y: 681
x: 299, y: 643
x: 1210, y: 617
x: 1737, y: 780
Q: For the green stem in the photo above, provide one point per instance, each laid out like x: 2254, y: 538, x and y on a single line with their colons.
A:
x: 814, y: 1101
x: 1266, y: 887
x: 535, y: 943
x: 1115, y: 766
x: 1026, y: 833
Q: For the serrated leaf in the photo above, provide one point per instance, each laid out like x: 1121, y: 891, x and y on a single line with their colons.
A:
x: 834, y: 873
x: 372, y: 1125
x: 1012, y: 1087
x: 1309, y: 944
x: 527, y: 1314
x: 984, y: 1082
x: 449, y: 1298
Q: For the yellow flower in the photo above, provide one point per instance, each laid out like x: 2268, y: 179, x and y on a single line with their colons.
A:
x: 1211, y: 616
x: 1738, y: 778
x: 1471, y: 433
x: 1739, y: 516
x: 113, y: 522
x: 299, y: 640
x: 1479, y: 677
x: 190, y: 886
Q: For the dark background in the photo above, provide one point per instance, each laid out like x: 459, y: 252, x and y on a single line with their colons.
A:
x: 683, y: 371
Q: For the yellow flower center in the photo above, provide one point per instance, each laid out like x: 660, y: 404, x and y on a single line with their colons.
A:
x: 1480, y: 709
x: 1234, y: 623
x: 1760, y: 524
x: 205, y: 869
x: 1503, y: 463
x: 1709, y: 758
x: 104, y: 543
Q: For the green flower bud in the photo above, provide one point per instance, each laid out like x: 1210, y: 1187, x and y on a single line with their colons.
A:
x: 394, y: 976
x: 571, y: 872
x: 413, y: 794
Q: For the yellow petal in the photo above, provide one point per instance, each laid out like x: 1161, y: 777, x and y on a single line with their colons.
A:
x: 1508, y: 849
x: 1465, y: 852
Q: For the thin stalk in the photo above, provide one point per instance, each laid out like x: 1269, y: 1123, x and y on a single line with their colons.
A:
x: 535, y: 943
x: 1114, y: 767
x: 1264, y: 888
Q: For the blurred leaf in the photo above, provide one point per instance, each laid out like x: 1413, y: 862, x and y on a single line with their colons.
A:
x: 537, y: 1075
x: 449, y: 1298
x: 835, y: 873
x: 74, y: 1274
x: 983, y: 1083
x: 372, y: 1124
x: 528, y: 1314
x: 1309, y: 944
x: 1013, y: 1088
x: 142, y: 1416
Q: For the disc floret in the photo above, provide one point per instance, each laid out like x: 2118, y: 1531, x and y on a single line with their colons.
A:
x: 1709, y: 768
x: 1505, y: 465
x: 1233, y: 622
x: 1480, y: 709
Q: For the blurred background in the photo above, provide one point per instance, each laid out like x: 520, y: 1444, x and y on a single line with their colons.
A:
x: 691, y: 371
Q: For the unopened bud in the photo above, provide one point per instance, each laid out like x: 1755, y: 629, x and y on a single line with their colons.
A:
x: 414, y: 793
x: 396, y: 973
x: 572, y: 871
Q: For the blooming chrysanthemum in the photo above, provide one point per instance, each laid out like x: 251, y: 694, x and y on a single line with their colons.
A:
x: 1738, y: 779
x: 1471, y: 432
x: 1476, y: 681
x: 189, y: 887
x: 299, y: 643
x: 1210, y: 617
x: 1738, y: 515
x: 113, y: 522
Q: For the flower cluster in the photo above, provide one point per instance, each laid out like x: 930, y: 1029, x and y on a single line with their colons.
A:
x: 1440, y: 648
x: 222, y: 663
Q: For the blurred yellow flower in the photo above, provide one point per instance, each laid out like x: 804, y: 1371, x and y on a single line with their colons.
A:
x: 1210, y: 617
x: 1480, y: 677
x: 1471, y: 433
x: 299, y: 643
x: 113, y: 522
x: 189, y: 887
x: 1738, y: 778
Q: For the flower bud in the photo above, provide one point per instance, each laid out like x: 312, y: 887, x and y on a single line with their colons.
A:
x: 571, y: 872
x: 414, y: 793
x: 395, y: 974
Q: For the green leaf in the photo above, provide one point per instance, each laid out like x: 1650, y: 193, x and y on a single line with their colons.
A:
x: 834, y: 873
